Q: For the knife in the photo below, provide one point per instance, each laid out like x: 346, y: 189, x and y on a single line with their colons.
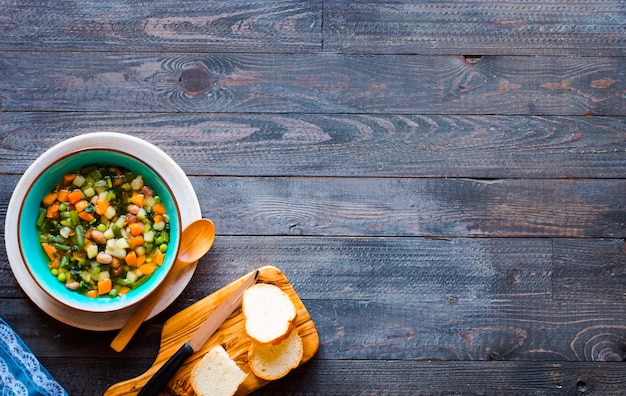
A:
x: 158, y: 382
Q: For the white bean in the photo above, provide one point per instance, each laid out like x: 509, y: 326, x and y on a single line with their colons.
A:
x: 98, y: 237
x: 104, y: 258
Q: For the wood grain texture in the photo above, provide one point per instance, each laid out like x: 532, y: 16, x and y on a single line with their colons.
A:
x: 442, y: 182
x: 476, y: 28
x: 343, y: 145
x: 409, y: 377
x: 400, y: 207
x: 295, y: 83
x: 399, y: 270
x: 387, y: 299
x: 508, y: 330
x: 402, y: 377
x: 207, y: 26
x: 415, y: 207
x: 590, y: 270
x: 410, y: 207
x: 465, y: 332
x: 414, y: 269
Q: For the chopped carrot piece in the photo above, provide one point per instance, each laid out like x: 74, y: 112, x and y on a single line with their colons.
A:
x: 63, y: 195
x: 136, y: 229
x: 131, y: 259
x: 68, y: 178
x: 92, y: 293
x: 101, y: 207
x: 159, y: 257
x: 50, y: 250
x: 135, y: 241
x: 52, y: 210
x: 49, y: 199
x: 140, y: 260
x: 104, y: 286
x: 86, y: 216
x: 75, y: 196
x: 137, y: 199
x: 81, y: 205
x: 158, y: 209
x: 147, y: 268
x: 123, y: 290
x: 157, y: 218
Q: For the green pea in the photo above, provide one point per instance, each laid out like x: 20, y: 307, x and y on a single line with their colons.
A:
x: 61, y: 276
x: 55, y: 271
x: 163, y: 248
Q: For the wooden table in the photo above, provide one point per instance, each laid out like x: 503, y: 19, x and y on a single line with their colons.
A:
x: 443, y: 183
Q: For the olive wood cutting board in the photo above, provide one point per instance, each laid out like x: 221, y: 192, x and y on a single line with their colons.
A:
x: 231, y: 335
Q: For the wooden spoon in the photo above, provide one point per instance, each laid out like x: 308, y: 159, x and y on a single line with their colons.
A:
x: 196, y: 240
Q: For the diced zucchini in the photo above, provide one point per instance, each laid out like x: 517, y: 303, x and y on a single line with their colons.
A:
x: 121, y: 243
x: 148, y: 236
x: 103, y: 275
x: 92, y: 251
x: 131, y: 276
x: 78, y: 181
x: 89, y: 192
x: 110, y: 212
x: 109, y: 234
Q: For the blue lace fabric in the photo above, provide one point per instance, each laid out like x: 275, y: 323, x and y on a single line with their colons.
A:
x: 20, y: 371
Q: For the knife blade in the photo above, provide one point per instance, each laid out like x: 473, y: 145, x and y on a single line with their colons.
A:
x: 158, y: 382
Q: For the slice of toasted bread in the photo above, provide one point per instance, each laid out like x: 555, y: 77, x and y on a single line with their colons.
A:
x: 216, y: 374
x: 272, y: 362
x: 269, y: 313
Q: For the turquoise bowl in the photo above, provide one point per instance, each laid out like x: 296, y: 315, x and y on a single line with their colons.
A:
x: 35, y: 258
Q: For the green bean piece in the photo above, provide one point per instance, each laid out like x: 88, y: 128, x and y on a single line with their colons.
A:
x: 116, y: 231
x: 115, y: 291
x: 122, y: 281
x: 149, y: 247
x: 64, y: 261
x: 141, y: 281
x: 74, y: 217
x: 61, y: 246
x: 80, y: 238
x: 41, y: 217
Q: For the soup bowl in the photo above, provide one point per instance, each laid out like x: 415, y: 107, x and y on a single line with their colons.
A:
x: 43, y: 177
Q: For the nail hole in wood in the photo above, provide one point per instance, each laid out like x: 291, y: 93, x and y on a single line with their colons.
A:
x: 472, y: 59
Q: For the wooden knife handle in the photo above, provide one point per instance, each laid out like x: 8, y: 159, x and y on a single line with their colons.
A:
x: 158, y: 382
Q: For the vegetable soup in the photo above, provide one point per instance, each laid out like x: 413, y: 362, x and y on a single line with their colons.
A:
x: 104, y: 230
